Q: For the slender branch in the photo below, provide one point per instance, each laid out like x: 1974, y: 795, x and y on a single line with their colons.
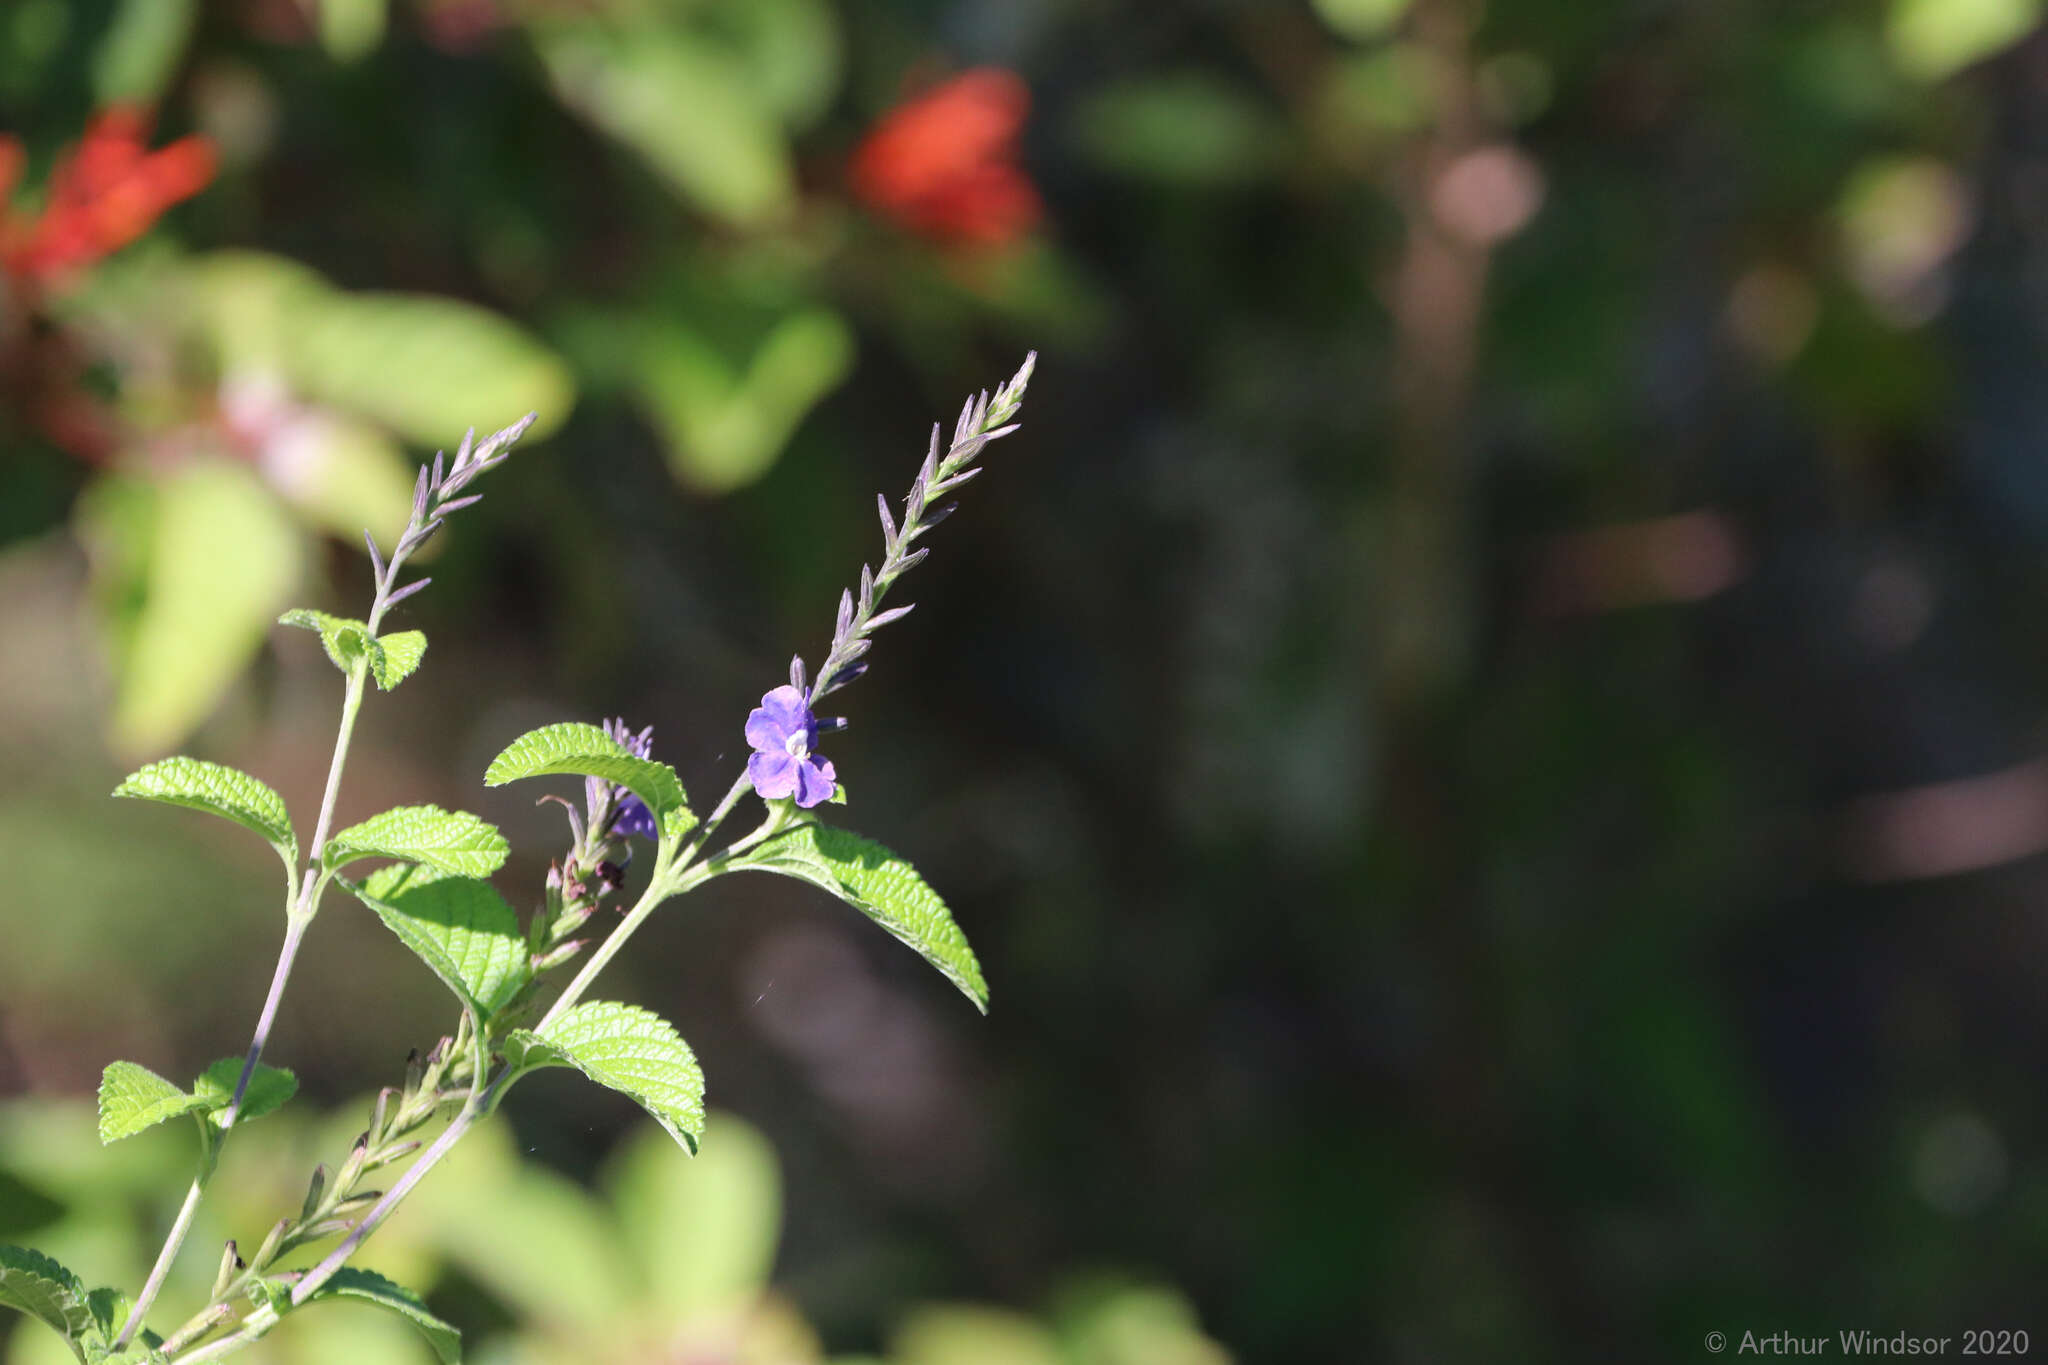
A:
x: 478, y: 1106
x: 431, y: 503
x: 180, y: 1227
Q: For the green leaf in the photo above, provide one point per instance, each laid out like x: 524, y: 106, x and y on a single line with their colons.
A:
x: 133, y: 1098
x: 110, y: 1309
x: 727, y: 417
x: 345, y: 640
x: 883, y: 887
x: 392, y: 657
x: 189, y: 570
x: 268, y: 1089
x: 141, y: 50
x: 422, y: 365
x: 351, y: 1282
x: 46, y: 1291
x: 396, y: 656
x: 1934, y: 39
x: 573, y: 748
x: 350, y: 29
x: 458, y: 926
x: 452, y: 841
x: 627, y: 1049
x: 677, y: 100
x: 229, y: 792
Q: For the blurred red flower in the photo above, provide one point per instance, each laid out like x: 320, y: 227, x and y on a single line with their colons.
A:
x: 103, y: 194
x: 943, y: 165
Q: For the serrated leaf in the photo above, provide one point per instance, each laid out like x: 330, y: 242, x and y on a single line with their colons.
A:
x: 461, y: 928
x: 396, y: 656
x: 133, y: 1098
x: 344, y: 639
x: 881, y: 886
x: 36, y: 1285
x: 351, y: 1282
x: 573, y: 748
x: 268, y: 1089
x: 451, y: 841
x: 627, y: 1049
x: 220, y: 790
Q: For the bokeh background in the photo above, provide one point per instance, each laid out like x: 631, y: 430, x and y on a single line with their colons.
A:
x: 1487, y: 731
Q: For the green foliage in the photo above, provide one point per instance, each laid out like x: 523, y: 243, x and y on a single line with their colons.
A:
x: 369, y: 1287
x: 574, y: 748
x: 461, y: 928
x: 881, y: 886
x: 674, y: 98
x: 626, y: 1049
x: 268, y: 1091
x: 395, y: 656
x: 727, y: 417
x: 392, y: 657
x: 421, y: 365
x: 1932, y: 39
x: 1189, y: 128
x: 351, y: 29
x: 32, y: 1283
x: 730, y: 1198
x: 450, y: 841
x: 344, y: 638
x: 190, y: 569
x: 198, y: 785
x: 133, y: 1098
x: 140, y: 51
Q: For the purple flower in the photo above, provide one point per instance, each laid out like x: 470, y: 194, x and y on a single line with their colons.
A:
x: 784, y: 734
x: 633, y: 817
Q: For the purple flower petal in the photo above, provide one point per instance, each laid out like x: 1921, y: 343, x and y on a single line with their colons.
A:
x: 785, y: 706
x: 634, y: 819
x: 815, y: 782
x: 774, y: 774
x: 764, y: 733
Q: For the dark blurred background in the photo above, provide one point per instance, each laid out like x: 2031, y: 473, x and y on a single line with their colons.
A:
x: 1486, y: 731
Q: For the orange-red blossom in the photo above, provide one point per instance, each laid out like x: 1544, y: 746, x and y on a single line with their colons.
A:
x: 943, y: 165
x: 103, y: 194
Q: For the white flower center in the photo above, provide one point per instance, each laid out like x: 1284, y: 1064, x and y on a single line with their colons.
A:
x: 797, y: 745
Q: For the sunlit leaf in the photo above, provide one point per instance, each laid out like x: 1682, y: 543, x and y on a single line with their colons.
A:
x: 884, y: 888
x: 1932, y: 39
x: 452, y: 841
x: 220, y: 790
x: 396, y: 656
x: 134, y: 1098
x: 627, y: 1049
x: 578, y: 749
x: 461, y: 928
